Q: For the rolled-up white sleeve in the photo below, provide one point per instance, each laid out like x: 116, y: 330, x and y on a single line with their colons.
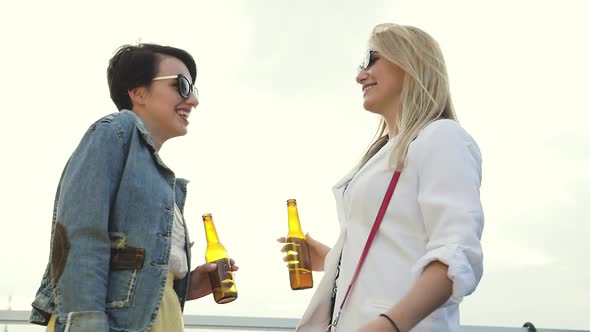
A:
x: 449, y: 179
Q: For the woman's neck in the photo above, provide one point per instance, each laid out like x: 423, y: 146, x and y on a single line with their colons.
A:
x: 391, y: 119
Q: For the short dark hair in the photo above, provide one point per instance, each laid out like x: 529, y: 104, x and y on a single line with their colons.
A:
x: 133, y: 66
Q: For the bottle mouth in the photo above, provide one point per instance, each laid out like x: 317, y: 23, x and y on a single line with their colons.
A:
x: 291, y: 201
x: 207, y: 216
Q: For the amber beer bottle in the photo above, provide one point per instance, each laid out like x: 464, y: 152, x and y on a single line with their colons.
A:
x: 298, y: 259
x: 222, y: 280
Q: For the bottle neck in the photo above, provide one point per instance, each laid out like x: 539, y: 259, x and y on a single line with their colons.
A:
x: 294, y: 225
x: 211, y: 232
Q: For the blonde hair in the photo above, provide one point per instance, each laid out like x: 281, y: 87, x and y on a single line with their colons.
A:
x: 425, y: 95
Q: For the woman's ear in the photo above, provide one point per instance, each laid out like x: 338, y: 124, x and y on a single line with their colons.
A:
x: 138, y: 95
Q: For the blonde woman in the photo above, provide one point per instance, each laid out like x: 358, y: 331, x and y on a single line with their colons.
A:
x: 426, y: 255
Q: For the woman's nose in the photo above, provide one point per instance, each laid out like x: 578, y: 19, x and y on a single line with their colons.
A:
x: 361, y: 76
x: 193, y: 100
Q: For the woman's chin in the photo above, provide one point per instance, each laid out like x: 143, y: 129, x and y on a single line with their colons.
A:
x: 367, y: 105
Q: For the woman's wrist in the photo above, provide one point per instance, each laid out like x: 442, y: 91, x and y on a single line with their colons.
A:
x: 391, y: 321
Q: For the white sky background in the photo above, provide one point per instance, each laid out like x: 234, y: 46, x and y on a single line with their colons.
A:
x: 281, y: 117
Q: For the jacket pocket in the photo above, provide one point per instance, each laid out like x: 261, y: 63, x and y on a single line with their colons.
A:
x: 433, y: 322
x: 126, y: 263
x: 377, y: 308
x: 382, y: 307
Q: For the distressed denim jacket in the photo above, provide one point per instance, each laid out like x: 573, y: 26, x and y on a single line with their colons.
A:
x: 111, y: 232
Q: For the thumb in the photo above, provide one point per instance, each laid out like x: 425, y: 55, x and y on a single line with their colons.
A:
x: 205, y: 268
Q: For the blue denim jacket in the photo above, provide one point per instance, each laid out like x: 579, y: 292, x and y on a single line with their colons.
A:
x: 115, y: 192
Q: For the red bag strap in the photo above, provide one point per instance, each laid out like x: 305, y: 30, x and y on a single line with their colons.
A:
x: 378, y: 219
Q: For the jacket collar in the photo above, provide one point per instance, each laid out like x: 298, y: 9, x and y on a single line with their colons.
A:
x: 147, y: 138
x: 145, y: 134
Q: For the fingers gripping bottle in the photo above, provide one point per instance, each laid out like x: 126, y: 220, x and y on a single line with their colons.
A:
x: 298, y: 258
x: 222, y: 279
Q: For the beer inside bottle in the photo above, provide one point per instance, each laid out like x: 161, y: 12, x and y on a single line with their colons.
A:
x: 298, y: 258
x: 222, y: 279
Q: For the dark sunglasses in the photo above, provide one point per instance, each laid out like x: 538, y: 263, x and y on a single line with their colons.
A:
x: 183, y: 84
x: 367, y: 61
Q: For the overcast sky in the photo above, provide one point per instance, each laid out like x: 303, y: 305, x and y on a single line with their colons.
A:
x: 281, y: 117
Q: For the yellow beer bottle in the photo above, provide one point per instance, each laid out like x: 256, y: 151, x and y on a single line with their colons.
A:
x: 222, y: 279
x: 298, y: 258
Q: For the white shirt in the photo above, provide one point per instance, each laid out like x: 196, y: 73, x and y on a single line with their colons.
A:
x: 178, y: 263
x: 435, y: 214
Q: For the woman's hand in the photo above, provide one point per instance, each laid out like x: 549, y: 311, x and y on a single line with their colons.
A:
x: 317, y: 252
x: 200, y: 285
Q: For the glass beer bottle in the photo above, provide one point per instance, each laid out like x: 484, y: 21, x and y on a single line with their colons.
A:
x: 298, y: 258
x: 222, y: 279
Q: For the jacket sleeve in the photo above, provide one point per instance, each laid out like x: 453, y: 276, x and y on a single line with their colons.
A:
x: 80, y: 250
x: 449, y: 199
